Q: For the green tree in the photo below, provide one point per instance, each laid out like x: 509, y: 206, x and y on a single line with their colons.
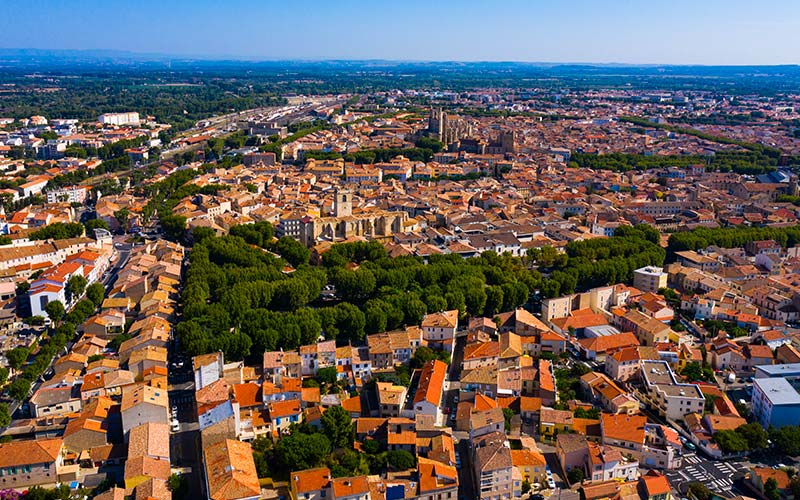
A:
x: 54, y: 310
x: 700, y: 491
x: 96, y: 293
x: 174, y: 226
x: 327, y: 375
x: 293, y: 251
x: 575, y: 475
x: 123, y: 218
x: 5, y: 415
x: 17, y: 356
x: 400, y: 460
x: 771, y: 490
x: 3, y: 375
x: 179, y: 486
x: 299, y: 451
x: 19, y: 388
x: 508, y: 414
x: 338, y: 427
x: 730, y: 441
x: 76, y: 285
x: 93, y: 224
x: 786, y: 440
x: 754, y: 434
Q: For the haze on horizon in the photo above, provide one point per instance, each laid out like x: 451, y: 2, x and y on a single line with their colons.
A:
x: 710, y: 32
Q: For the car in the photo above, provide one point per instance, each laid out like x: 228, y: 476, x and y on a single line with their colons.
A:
x: 537, y: 496
x: 690, y: 446
x: 551, y: 484
x: 447, y: 410
x: 175, y: 426
x: 455, y: 399
x: 779, y: 466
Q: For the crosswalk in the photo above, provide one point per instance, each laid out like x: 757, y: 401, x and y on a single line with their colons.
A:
x: 718, y: 476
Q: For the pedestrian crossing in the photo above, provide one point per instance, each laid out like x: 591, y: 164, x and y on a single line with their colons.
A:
x: 717, y: 476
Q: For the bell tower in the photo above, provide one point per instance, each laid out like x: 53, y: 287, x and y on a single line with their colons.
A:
x: 343, y: 204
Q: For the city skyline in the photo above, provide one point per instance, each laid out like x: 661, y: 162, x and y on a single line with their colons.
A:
x: 623, y: 32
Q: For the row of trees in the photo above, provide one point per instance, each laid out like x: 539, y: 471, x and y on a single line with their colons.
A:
x: 731, y: 237
x: 236, y: 280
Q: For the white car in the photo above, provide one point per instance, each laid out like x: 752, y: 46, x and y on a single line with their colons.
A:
x: 550, y: 483
x: 175, y: 426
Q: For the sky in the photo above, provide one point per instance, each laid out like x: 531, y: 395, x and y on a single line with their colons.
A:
x: 713, y: 32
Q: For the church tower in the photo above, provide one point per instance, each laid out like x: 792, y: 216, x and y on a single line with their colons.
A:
x: 343, y: 204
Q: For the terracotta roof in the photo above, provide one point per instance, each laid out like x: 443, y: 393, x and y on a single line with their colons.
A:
x: 231, y: 471
x: 18, y: 453
x: 310, y: 480
x: 431, y: 382
x: 623, y: 427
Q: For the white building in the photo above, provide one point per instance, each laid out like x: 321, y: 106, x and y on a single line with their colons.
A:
x: 119, y: 119
x: 649, y: 279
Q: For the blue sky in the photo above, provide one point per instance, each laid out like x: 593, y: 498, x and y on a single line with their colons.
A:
x: 626, y: 31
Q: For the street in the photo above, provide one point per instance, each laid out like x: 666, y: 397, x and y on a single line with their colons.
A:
x: 717, y: 476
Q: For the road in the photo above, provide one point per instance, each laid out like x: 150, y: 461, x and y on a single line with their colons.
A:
x: 717, y: 476
x: 123, y: 254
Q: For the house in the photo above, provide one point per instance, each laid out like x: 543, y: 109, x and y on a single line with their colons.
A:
x: 391, y: 399
x: 437, y: 481
x: 91, y: 428
x: 208, y: 368
x: 607, y: 463
x: 429, y: 391
x: 493, y: 468
x: 350, y: 488
x: 554, y: 422
x: 654, y: 486
x: 31, y: 463
x: 282, y: 414
x: 759, y: 476
x: 142, y: 404
x: 230, y: 471
x: 439, y: 329
x: 55, y: 401
x: 311, y: 484
x: 572, y: 451
x: 531, y: 465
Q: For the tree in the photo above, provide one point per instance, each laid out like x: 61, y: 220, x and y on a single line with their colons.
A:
x: 754, y: 434
x: 179, y: 486
x: 76, y: 285
x: 786, y: 440
x: 400, y: 460
x: 508, y: 414
x: 123, y: 217
x: 299, y: 451
x: 526, y: 487
x: 93, y: 224
x: 17, y: 356
x: 293, y: 251
x: 771, y: 490
x: 54, y: 310
x: 700, y: 491
x: 338, y: 427
x: 174, y: 226
x: 575, y: 475
x: 695, y: 372
x: 19, y: 389
x: 730, y: 441
x: 3, y: 375
x: 326, y: 375
x: 96, y: 293
x: 5, y: 415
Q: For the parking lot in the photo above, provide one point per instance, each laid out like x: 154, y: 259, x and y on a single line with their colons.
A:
x: 717, y: 476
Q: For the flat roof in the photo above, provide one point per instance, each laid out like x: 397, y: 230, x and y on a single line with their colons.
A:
x: 772, y: 371
x: 778, y: 391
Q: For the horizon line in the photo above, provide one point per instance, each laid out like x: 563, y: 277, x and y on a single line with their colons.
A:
x: 168, y: 57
